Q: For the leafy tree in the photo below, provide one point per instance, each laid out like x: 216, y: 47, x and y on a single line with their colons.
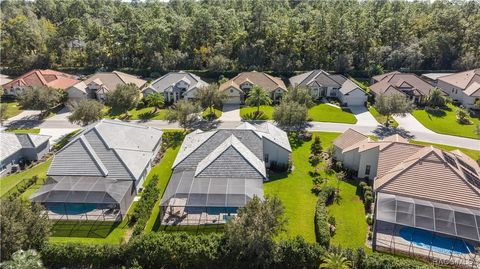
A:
x: 436, y: 98
x: 124, y: 98
x: 29, y: 259
x: 3, y: 112
x: 249, y: 236
x: 40, y: 98
x: 316, y: 147
x: 258, y: 96
x: 183, y: 112
x: 335, y: 261
x: 86, y: 112
x: 156, y: 100
x: 393, y: 104
x: 315, y: 160
x: 462, y: 116
x: 300, y: 95
x: 290, y: 114
x: 210, y: 97
x: 24, y: 226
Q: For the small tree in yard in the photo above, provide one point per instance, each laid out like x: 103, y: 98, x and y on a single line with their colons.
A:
x: 300, y: 95
x: 316, y: 147
x: 315, y: 161
x: 86, y: 112
x: 183, y: 112
x: 462, y: 116
x: 393, y: 104
x: 250, y: 236
x: 40, y: 98
x: 3, y: 112
x: 24, y: 226
x: 156, y: 100
x: 290, y: 114
x: 436, y: 98
x: 258, y: 97
x: 124, y: 98
x: 335, y: 261
x: 210, y: 97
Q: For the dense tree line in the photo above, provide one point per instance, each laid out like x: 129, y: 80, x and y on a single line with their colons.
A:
x: 277, y: 35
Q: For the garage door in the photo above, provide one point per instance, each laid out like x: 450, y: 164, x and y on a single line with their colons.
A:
x: 233, y: 100
x: 354, y: 101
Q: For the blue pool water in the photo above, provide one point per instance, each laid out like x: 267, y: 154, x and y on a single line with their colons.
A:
x: 71, y: 209
x: 438, y: 243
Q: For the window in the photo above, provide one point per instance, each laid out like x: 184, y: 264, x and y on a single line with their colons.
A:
x: 367, y: 170
x: 265, y: 158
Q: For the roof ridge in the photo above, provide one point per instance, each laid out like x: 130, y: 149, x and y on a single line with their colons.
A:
x: 94, y: 155
x: 175, y: 164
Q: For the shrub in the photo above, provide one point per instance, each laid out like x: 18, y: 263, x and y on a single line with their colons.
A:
x: 55, y: 255
x: 141, y: 213
x: 332, y: 221
x: 297, y: 253
x: 322, y: 227
x: 370, y: 219
x: 462, y: 116
x: 316, y: 189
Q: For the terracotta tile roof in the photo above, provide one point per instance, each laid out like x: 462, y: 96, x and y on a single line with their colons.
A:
x: 462, y: 79
x: 393, y: 154
x: 395, y: 81
x: 395, y: 138
x: 349, y: 138
x: 47, y: 77
x: 269, y: 83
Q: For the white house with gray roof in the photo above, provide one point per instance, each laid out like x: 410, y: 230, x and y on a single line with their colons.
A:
x: 100, y: 170
x: 15, y: 148
x: 176, y: 85
x: 219, y: 171
x: 322, y: 84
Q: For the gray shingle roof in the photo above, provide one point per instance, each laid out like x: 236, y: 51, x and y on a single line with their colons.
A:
x: 324, y: 79
x: 11, y: 143
x: 169, y: 80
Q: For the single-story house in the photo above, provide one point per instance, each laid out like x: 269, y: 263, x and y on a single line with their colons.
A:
x: 39, y: 78
x: 238, y: 87
x: 15, y: 148
x: 216, y: 172
x: 99, y: 172
x: 98, y: 85
x: 176, y: 85
x: 463, y: 87
x: 427, y: 200
x: 432, y: 78
x: 4, y: 79
x: 408, y: 84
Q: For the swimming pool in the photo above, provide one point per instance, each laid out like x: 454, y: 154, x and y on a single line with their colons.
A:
x: 438, y: 243
x: 71, y: 209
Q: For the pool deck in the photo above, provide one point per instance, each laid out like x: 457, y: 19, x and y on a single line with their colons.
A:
x: 97, y: 214
x: 194, y: 219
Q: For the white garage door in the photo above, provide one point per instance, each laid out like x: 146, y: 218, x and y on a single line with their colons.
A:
x: 354, y: 101
x: 233, y: 100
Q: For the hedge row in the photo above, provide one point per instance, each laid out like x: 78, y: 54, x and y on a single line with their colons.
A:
x: 322, y: 227
x: 143, y: 209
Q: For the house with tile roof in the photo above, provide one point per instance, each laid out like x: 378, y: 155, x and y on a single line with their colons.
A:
x: 99, y: 171
x: 176, y: 85
x: 216, y: 172
x: 419, y: 190
x: 322, y: 84
x: 98, y: 85
x: 39, y: 78
x: 408, y: 84
x: 463, y: 86
x: 18, y: 148
x: 238, y: 87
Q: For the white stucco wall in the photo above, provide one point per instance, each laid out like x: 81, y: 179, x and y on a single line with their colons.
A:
x: 368, y: 157
x: 75, y: 95
x: 275, y: 153
x: 356, y: 98
x: 456, y: 93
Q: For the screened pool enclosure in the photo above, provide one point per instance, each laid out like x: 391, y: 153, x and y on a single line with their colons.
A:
x: 442, y: 231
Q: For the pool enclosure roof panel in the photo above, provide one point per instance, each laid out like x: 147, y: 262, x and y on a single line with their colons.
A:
x: 69, y: 189
x: 436, y: 217
x: 210, y: 191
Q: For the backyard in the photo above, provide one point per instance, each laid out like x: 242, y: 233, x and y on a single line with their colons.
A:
x: 329, y: 113
x: 444, y: 121
x: 9, y: 182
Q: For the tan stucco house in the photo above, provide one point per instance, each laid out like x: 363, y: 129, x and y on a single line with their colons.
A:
x: 463, y: 87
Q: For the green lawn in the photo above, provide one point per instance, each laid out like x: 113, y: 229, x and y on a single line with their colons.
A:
x: 24, y: 130
x: 206, y: 112
x: 246, y: 112
x: 145, y: 113
x: 11, y: 181
x: 328, y: 113
x: 445, y: 122
x: 13, y: 108
x: 474, y: 154
x: 380, y: 118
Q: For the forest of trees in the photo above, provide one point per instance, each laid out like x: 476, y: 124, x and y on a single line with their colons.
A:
x: 274, y: 35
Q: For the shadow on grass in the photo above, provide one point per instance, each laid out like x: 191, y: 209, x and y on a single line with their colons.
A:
x: 146, y: 116
x: 295, y: 141
x: 437, y: 113
x: 255, y: 116
x: 272, y: 176
x: 82, y: 228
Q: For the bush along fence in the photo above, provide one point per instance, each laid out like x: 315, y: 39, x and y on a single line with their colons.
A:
x: 322, y: 225
x: 144, y: 207
x: 21, y: 187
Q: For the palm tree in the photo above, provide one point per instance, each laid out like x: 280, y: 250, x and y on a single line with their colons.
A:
x: 258, y: 97
x: 436, y: 98
x: 335, y: 261
x: 156, y: 100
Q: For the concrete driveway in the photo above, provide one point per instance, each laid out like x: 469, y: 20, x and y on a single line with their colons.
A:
x: 364, y: 118
x: 231, y: 113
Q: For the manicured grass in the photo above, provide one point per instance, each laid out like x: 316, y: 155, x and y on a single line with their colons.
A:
x: 380, y: 118
x: 206, y: 112
x: 445, y: 122
x: 246, y: 112
x: 11, y: 181
x: 13, y: 108
x: 474, y: 154
x: 24, y: 130
x: 328, y: 113
x: 145, y: 113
